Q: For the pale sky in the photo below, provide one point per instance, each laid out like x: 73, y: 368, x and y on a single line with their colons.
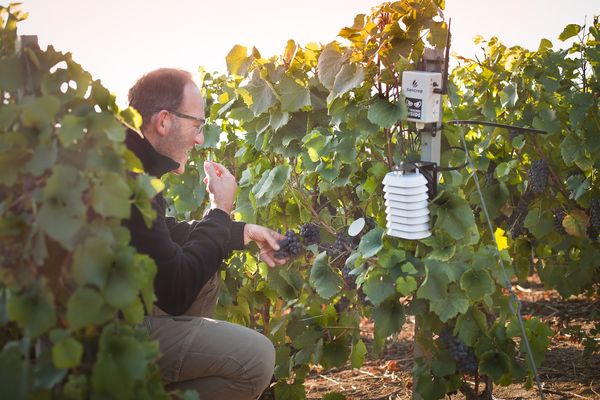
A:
x: 120, y: 40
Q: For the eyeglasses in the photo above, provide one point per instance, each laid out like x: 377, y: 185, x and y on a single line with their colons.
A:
x: 199, y: 129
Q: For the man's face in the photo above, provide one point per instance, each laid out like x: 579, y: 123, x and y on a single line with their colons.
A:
x: 185, y: 133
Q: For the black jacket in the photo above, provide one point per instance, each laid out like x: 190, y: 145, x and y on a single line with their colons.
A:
x: 187, y: 254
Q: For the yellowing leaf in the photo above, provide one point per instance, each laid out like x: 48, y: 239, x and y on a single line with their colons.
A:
x: 501, y: 239
x: 576, y: 222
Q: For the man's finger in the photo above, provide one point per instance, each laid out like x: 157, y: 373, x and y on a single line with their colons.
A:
x: 209, y: 170
x: 266, y: 257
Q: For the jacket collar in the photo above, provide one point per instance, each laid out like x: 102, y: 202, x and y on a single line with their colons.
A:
x: 154, y: 163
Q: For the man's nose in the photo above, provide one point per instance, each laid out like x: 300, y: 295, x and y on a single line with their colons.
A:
x: 199, y: 139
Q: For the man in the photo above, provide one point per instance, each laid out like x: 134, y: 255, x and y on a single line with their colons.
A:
x: 218, y: 359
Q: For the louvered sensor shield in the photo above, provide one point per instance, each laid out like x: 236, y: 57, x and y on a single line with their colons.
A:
x: 406, y: 202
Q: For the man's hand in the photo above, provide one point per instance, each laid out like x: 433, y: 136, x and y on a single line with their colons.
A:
x: 220, y: 185
x: 266, y: 239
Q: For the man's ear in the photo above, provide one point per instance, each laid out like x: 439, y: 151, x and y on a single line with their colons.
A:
x: 161, y: 121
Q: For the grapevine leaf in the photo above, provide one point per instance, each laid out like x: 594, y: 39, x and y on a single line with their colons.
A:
x: 389, y: 318
x: 575, y: 223
x: 386, y: 114
x: 121, y: 361
x: 430, y: 387
x: 443, y: 364
x: 357, y: 356
x: 40, y: 112
x: 495, y: 364
x: 293, y: 96
x: 110, y: 195
x: 33, y: 311
x: 335, y: 353
x: 238, y: 61
x: 435, y: 283
x: 539, y: 222
x: 455, y: 303
x: 291, y: 391
x: 378, y: 288
x: 261, y: 95
x: 329, y: 65
x: 455, y: 217
x: 44, y: 157
x: 509, y: 96
x: 323, y: 279
x: 569, y: 31
x: 86, y: 307
x: 405, y: 285
x: 371, y: 244
x: 477, y: 283
x: 66, y: 353
x: 270, y: 185
x: 71, y: 129
x: 14, y: 374
x: 349, y: 77
x: 92, y: 260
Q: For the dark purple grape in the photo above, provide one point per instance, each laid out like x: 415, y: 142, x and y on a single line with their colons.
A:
x: 538, y: 176
x: 310, y: 233
x: 466, y: 360
x: 290, y: 246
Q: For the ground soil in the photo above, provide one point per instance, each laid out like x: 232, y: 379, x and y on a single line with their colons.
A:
x: 565, y: 373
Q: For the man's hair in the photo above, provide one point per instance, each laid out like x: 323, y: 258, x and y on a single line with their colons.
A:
x: 161, y: 89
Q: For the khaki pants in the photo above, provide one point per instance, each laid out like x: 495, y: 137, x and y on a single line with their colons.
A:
x: 218, y: 359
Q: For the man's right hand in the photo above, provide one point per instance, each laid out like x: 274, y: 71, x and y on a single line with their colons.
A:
x: 220, y: 185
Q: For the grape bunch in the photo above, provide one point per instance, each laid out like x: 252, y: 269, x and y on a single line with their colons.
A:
x: 370, y: 223
x: 516, y: 222
x: 559, y: 216
x: 310, y: 233
x: 465, y: 358
x: 343, y: 243
x: 538, y: 176
x: 289, y: 246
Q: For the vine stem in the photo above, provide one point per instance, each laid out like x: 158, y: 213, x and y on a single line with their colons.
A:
x: 390, y: 157
x: 313, y: 212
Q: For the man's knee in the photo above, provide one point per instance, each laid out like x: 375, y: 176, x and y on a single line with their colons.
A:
x: 265, y: 353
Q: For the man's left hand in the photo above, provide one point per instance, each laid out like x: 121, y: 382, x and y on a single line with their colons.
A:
x: 266, y: 239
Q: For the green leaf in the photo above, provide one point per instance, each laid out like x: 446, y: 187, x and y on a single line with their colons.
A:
x: 477, y: 283
x: 293, y: 96
x: 289, y: 391
x: 110, y: 195
x: 406, y: 285
x: 44, y: 157
x: 33, y: 311
x: 86, y: 307
x: 238, y: 61
x: 92, y: 261
x: 494, y: 364
x: 261, y: 95
x: 329, y: 65
x: 539, y: 222
x: 66, y: 353
x: 40, y: 112
x: 270, y: 185
x: 569, y: 31
x: 378, y: 288
x: 14, y: 374
x: 323, y: 279
x: 350, y: 76
x: 509, y: 96
x: 386, y: 114
x: 371, y: 243
x: 435, y: 283
x: 71, y: 129
x: 455, y: 217
x: 357, y: 356
x: 121, y: 361
x: 389, y: 318
x: 455, y: 303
